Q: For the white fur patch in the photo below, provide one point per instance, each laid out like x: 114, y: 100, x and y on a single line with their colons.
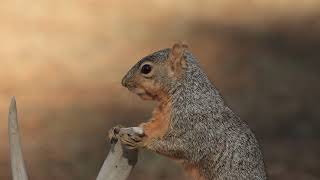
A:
x: 138, y: 130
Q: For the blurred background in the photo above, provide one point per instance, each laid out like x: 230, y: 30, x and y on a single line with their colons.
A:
x: 63, y: 60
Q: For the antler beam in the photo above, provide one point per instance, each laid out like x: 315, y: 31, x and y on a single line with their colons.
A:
x: 119, y: 163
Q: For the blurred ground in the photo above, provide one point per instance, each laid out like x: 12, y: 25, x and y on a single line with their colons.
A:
x: 64, y: 60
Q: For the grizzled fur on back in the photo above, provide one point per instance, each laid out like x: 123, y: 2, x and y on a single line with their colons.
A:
x: 203, y: 132
x: 219, y: 142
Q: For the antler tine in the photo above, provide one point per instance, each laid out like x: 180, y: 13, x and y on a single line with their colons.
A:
x: 18, y: 169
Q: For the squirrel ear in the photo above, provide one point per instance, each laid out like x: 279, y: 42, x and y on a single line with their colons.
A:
x: 176, y: 56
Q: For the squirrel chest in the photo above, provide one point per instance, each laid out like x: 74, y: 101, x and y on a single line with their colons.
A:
x: 158, y: 126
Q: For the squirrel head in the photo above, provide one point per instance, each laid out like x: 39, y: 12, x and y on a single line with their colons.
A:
x: 154, y: 76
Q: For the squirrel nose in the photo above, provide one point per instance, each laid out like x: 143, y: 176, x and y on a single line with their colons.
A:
x: 127, y: 83
x: 124, y: 82
x: 127, y: 80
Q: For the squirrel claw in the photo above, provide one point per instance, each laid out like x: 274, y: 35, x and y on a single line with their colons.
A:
x: 113, y: 134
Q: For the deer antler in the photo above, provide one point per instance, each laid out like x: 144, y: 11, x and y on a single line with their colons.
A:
x: 18, y: 168
x: 117, y: 166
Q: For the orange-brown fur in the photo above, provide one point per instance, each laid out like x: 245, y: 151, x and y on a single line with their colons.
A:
x: 159, y: 123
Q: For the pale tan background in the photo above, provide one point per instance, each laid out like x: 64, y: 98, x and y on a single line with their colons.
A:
x: 64, y: 60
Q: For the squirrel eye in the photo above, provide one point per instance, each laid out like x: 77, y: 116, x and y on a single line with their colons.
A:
x: 146, y: 69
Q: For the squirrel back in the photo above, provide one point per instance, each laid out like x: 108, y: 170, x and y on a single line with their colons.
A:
x: 192, y: 123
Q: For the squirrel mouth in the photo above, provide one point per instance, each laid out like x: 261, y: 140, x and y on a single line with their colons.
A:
x: 142, y: 93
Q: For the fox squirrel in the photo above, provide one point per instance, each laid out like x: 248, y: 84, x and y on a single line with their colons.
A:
x: 192, y: 124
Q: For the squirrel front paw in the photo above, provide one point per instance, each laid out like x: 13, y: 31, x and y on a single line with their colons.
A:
x: 132, y: 137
